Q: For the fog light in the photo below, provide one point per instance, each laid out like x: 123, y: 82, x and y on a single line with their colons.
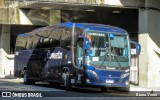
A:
x: 127, y: 83
x: 87, y: 80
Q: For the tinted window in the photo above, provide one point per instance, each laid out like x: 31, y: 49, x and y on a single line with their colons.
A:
x: 66, y: 39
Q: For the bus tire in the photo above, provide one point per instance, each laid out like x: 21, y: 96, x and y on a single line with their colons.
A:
x: 124, y: 89
x: 26, y: 80
x: 54, y: 84
x: 67, y: 82
x: 104, y: 89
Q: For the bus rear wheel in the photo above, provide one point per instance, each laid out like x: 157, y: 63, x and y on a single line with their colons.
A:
x: 26, y: 80
x: 67, y: 81
x: 54, y: 84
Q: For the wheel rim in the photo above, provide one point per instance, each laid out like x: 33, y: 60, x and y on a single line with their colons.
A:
x: 65, y: 77
x: 25, y: 77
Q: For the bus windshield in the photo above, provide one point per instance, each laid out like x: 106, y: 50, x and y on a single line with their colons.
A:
x: 108, y: 50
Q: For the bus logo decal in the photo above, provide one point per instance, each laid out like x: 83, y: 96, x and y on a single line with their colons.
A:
x: 57, y: 55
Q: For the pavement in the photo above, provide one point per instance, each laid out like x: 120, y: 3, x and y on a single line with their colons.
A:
x: 137, y: 88
x: 132, y: 87
x: 58, y: 92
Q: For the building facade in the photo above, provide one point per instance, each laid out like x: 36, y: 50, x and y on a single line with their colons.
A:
x: 139, y: 17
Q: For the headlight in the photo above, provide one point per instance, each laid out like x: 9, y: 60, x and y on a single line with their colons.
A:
x: 92, y: 72
x: 127, y: 83
x: 124, y: 75
x: 87, y: 80
x: 127, y: 70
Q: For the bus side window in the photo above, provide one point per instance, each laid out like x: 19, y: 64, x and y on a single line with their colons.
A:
x: 46, y: 43
x: 66, y: 44
x: 54, y: 43
x: 39, y: 44
x: 29, y: 45
x: 65, y: 41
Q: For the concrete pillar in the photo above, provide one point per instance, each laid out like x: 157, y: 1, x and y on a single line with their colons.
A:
x: 4, y: 48
x: 153, y: 46
x: 143, y: 40
x: 5, y: 38
x: 149, y: 32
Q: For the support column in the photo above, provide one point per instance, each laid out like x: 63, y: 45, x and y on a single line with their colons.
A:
x: 153, y: 48
x: 5, y: 38
x: 143, y: 40
x: 149, y: 59
x: 4, y: 48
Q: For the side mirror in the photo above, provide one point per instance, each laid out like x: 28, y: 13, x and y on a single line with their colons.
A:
x: 111, y: 35
x: 137, y: 47
x: 86, y: 45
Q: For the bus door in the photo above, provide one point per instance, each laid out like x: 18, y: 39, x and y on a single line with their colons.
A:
x: 43, y: 60
x: 34, y: 65
x: 79, y: 61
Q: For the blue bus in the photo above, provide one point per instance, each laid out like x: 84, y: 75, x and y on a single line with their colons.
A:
x: 79, y: 54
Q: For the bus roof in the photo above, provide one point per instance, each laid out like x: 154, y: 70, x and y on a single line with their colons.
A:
x: 62, y: 31
x: 95, y: 27
x: 83, y: 26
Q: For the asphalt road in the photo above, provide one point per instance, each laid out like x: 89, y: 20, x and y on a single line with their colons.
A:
x: 58, y: 92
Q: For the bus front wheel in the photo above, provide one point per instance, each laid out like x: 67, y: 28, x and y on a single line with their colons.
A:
x: 67, y: 81
x: 123, y: 89
x: 104, y: 89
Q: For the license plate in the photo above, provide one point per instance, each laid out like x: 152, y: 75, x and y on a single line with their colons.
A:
x: 109, y: 81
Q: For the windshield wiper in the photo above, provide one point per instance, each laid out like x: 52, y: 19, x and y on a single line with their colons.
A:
x: 107, y: 52
x: 115, y: 55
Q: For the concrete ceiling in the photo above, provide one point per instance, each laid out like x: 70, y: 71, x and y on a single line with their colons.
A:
x: 70, y: 6
x: 126, y: 18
